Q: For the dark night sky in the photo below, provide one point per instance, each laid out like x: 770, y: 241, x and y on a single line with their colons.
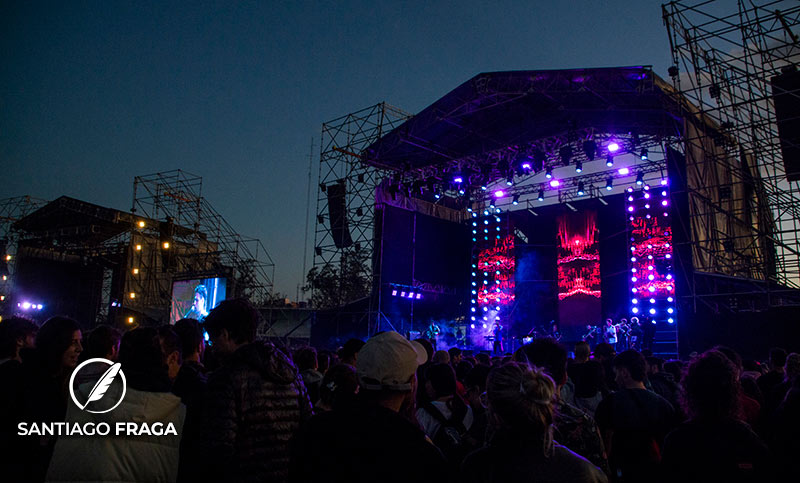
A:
x: 93, y: 94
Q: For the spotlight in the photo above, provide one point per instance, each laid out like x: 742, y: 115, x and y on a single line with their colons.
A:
x: 640, y: 178
x: 527, y: 165
x: 554, y: 183
x: 510, y: 180
x: 609, y: 183
x: 644, y: 154
x: 515, y: 201
x: 581, y: 192
x: 610, y: 161
x: 138, y: 248
x: 141, y: 223
x: 130, y: 320
x: 136, y: 271
x: 541, y: 195
x: 132, y: 295
x: 590, y: 149
x: 165, y: 245
x: 483, y: 187
x: 578, y: 166
x: 457, y: 178
x: 624, y: 171
x: 549, y: 173
x: 613, y: 147
x: 499, y: 193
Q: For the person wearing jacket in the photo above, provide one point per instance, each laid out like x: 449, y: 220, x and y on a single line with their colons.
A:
x: 256, y: 400
x: 126, y: 457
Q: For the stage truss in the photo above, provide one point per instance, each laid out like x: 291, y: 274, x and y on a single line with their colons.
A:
x: 12, y: 210
x: 724, y: 56
x: 201, y: 243
x: 342, y: 143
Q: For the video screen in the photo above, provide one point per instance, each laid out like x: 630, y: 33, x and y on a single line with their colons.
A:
x: 193, y: 299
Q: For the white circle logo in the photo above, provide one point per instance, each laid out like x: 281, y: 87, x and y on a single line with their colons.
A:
x: 101, y: 386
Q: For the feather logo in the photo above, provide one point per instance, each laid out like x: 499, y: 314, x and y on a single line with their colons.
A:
x: 101, y: 386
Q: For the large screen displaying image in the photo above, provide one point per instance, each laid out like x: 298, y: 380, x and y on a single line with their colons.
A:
x: 192, y: 299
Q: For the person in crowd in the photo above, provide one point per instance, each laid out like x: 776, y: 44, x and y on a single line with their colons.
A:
x: 348, y: 354
x: 521, y: 400
x: 338, y: 389
x: 102, y: 342
x: 377, y: 439
x: 572, y: 427
x: 604, y: 354
x: 610, y: 334
x: 674, y: 367
x: 441, y: 357
x: 633, y: 421
x: 662, y: 383
x: 750, y: 410
x: 475, y: 395
x: 143, y: 356
x: 256, y: 400
x: 786, y: 423
x: 588, y: 378
x: 445, y: 416
x: 17, y: 336
x: 790, y: 372
x: 455, y: 356
x: 325, y: 360
x: 777, y: 361
x: 46, y: 372
x: 462, y: 369
x: 191, y: 386
x: 483, y: 358
x: 714, y: 445
x: 306, y: 361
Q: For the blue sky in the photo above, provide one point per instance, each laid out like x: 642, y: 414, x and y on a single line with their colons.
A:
x: 95, y: 93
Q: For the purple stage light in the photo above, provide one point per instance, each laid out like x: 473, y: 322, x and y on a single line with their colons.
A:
x: 635, y: 310
x: 526, y: 165
x: 652, y: 288
x: 411, y: 295
x: 458, y: 179
x: 670, y: 310
x: 554, y: 183
x: 471, y: 326
x: 419, y: 296
x: 651, y: 277
x: 633, y: 279
x: 613, y: 147
x: 664, y: 182
x: 402, y: 294
x: 667, y: 256
x: 633, y: 270
x: 664, y: 203
x: 630, y: 208
x: 624, y: 171
x: 669, y: 299
x: 652, y: 301
x: 652, y: 311
x: 647, y: 196
x: 394, y: 292
x: 634, y: 301
x: 484, y: 326
x: 670, y: 320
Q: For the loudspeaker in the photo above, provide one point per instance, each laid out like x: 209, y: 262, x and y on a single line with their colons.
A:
x: 786, y: 95
x: 337, y: 213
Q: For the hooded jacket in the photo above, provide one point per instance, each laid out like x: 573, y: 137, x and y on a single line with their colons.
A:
x: 123, y: 458
x: 256, y: 402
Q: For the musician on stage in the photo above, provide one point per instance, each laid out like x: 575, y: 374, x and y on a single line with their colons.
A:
x: 610, y: 333
x: 554, y: 332
x: 497, y: 345
x: 431, y: 332
x: 635, y: 334
x: 622, y: 335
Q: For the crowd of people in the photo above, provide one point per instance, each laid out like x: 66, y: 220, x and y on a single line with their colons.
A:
x: 391, y: 409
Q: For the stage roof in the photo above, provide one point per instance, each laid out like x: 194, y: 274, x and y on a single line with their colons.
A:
x: 495, y: 110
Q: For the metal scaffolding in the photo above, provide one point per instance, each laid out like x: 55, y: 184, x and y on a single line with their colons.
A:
x: 343, y: 141
x: 11, y: 211
x: 743, y: 210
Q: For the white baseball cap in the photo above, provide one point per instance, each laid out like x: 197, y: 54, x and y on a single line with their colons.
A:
x: 389, y: 361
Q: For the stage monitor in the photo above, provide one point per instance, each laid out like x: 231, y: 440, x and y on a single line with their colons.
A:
x: 192, y: 299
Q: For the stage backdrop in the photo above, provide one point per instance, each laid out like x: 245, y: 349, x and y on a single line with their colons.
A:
x: 578, y: 271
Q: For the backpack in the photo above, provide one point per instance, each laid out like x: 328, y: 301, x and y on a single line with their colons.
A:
x: 450, y: 438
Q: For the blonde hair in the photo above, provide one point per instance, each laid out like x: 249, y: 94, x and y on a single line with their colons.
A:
x: 522, y: 396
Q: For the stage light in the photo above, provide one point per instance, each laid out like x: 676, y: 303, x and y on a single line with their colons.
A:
x: 663, y: 193
x: 132, y: 295
x: 484, y: 325
x: 461, y: 191
x: 394, y: 292
x: 633, y: 259
x: 548, y: 173
x: 670, y: 320
x: 647, y: 196
x: 590, y: 149
x: 640, y: 178
x: 663, y: 181
x: 664, y: 203
x: 610, y: 161
x: 613, y: 147
x: 630, y: 208
x: 130, y: 320
x: 670, y: 299
x: 646, y: 187
x: 554, y: 183
x: 651, y: 277
x: 647, y: 206
x: 633, y: 270
x: 499, y: 194
x: 5, y: 278
x: 649, y: 267
x: 141, y: 224
x: 581, y: 192
x: 652, y: 301
x: 624, y: 171
x: 138, y: 248
x: 634, y: 301
x: 643, y: 154
x: 629, y: 190
x: 526, y: 165
x: 483, y: 187
x: 670, y: 310
x: 136, y: 271
x: 515, y: 200
x: 667, y: 256
x: 634, y: 279
x: 472, y: 326
x: 609, y: 183
x: 458, y: 179
x: 578, y: 167
x: 26, y: 305
x: 491, y: 203
x: 411, y: 295
x: 402, y: 294
x: 165, y: 245
x: 541, y: 195
x: 510, y: 180
x: 652, y: 311
x: 2, y: 297
x: 651, y: 288
x: 635, y: 310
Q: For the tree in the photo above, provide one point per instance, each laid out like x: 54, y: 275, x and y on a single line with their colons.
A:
x: 333, y: 286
